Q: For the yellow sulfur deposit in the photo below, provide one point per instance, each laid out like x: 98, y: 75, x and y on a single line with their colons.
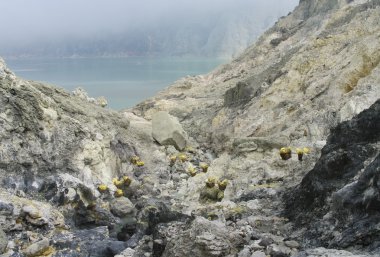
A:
x: 119, y: 193
x: 204, y: 167
x: 140, y: 163
x: 299, y: 152
x: 182, y: 157
x: 127, y: 180
x: 117, y: 183
x: 210, y: 181
x: 192, y: 171
x: 223, y: 184
x: 135, y: 159
x: 102, y: 188
x: 286, y: 153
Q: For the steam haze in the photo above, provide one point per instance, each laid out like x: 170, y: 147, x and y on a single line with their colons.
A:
x: 56, y: 23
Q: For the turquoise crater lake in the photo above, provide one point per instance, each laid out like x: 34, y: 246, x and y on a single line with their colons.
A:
x: 123, y: 81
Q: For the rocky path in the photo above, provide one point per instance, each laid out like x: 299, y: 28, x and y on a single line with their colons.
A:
x: 78, y: 179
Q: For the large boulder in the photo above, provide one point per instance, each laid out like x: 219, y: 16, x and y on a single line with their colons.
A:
x: 122, y: 207
x: 167, y: 130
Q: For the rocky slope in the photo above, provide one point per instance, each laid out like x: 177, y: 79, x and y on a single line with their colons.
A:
x: 78, y: 179
x: 315, y: 68
x: 325, y: 54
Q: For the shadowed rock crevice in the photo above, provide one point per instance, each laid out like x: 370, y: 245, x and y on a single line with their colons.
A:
x: 342, y: 189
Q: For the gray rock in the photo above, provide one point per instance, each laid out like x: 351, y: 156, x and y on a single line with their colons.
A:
x: 265, y: 143
x: 266, y: 241
x: 32, y: 211
x: 202, y: 238
x: 258, y: 254
x: 278, y: 250
x: 93, y: 216
x: 129, y: 252
x: 69, y: 195
x: 3, y: 241
x: 243, y: 145
x: 6, y: 209
x: 167, y: 130
x: 244, y: 253
x: 34, y: 216
x: 292, y: 244
x: 37, y: 221
x: 323, y: 252
x: 212, y: 245
x: 37, y: 248
x: 122, y: 207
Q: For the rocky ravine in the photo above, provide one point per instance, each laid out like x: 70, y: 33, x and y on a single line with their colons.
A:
x: 64, y: 158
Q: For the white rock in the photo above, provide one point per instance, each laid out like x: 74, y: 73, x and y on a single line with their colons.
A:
x: 167, y: 130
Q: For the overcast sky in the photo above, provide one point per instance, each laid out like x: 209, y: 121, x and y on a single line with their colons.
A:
x: 29, y: 20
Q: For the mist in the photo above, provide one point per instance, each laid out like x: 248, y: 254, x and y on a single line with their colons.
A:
x: 26, y: 23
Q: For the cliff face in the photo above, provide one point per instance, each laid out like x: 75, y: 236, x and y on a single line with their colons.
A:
x: 338, y: 200
x: 46, y: 130
x: 82, y: 180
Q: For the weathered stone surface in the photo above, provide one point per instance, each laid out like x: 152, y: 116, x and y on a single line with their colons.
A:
x: 123, y: 207
x: 343, y: 184
x: 244, y: 253
x: 129, y: 252
x: 36, y: 249
x: 279, y: 250
x: 292, y: 244
x: 258, y: 254
x: 238, y: 95
x: 56, y: 129
x: 3, y: 241
x: 91, y: 242
x: 32, y: 211
x: 92, y: 216
x: 168, y: 131
x: 203, y: 238
x: 6, y: 208
x: 323, y: 252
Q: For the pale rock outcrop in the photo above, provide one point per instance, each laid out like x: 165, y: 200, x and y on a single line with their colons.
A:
x: 82, y: 94
x: 167, y: 130
x: 5, y: 73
